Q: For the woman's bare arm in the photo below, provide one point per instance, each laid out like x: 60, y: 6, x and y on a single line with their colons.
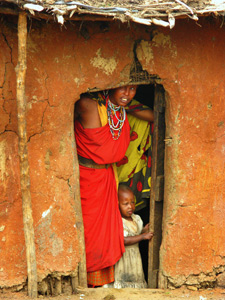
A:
x: 146, y: 115
x: 86, y: 111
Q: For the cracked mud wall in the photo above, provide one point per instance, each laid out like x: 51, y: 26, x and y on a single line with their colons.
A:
x: 64, y: 62
x: 61, y: 64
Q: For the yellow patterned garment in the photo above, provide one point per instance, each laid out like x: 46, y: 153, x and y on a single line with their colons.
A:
x: 135, y: 168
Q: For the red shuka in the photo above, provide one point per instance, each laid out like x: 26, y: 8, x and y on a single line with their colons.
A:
x: 103, y: 228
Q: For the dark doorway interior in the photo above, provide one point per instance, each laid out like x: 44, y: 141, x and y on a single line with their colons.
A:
x: 145, y: 95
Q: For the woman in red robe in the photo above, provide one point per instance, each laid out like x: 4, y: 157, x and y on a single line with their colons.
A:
x: 102, y: 135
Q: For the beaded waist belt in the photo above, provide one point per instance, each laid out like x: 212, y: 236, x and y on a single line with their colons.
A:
x: 89, y: 163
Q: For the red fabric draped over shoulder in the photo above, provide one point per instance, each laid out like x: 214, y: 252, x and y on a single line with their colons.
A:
x: 103, y: 228
x: 97, y: 143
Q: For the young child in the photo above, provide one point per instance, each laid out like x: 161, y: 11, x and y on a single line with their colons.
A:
x: 129, y: 270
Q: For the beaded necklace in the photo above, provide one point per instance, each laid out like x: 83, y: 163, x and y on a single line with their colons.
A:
x: 116, y: 117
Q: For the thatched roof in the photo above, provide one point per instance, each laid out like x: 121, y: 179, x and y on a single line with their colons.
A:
x: 159, y: 12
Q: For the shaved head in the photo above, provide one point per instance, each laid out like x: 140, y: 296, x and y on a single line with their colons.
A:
x: 124, y: 188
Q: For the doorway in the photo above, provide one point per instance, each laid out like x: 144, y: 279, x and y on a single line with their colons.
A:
x: 151, y: 211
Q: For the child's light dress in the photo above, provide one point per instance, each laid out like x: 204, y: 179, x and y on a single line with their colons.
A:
x: 129, y: 270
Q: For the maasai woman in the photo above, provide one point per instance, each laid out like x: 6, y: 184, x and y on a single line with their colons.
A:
x: 102, y: 135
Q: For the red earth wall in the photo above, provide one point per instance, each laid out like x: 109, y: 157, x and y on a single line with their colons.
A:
x: 64, y: 62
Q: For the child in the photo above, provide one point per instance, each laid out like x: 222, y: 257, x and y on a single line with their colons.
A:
x: 129, y: 270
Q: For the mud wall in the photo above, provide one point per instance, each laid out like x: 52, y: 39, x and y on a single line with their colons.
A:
x: 64, y: 62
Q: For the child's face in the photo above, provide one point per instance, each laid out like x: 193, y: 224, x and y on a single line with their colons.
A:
x: 126, y: 204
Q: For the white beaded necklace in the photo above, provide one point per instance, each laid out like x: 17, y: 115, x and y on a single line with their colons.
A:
x: 112, y: 111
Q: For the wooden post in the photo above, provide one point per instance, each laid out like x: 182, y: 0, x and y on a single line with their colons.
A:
x: 82, y: 271
x: 24, y: 165
x: 157, y: 186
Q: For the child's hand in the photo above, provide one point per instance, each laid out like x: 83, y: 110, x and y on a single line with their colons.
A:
x: 146, y: 228
x: 147, y: 235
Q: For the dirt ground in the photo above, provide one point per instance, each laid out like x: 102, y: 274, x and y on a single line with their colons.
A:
x: 127, y: 294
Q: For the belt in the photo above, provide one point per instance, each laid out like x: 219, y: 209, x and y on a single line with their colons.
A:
x: 89, y: 163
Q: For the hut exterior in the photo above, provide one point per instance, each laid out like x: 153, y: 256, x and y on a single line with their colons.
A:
x: 94, y: 52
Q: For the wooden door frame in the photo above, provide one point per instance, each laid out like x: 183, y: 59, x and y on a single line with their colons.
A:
x: 157, y: 185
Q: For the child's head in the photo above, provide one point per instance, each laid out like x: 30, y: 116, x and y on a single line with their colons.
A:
x: 126, y: 201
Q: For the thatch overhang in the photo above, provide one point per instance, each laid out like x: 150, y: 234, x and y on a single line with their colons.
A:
x: 158, y: 12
